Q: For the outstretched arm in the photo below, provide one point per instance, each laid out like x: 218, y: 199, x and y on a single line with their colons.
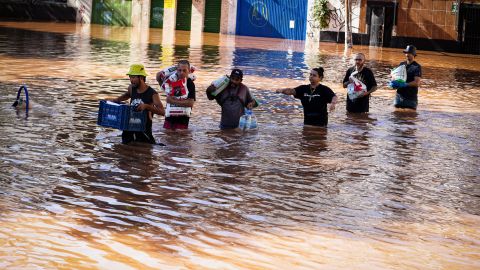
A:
x: 286, y: 91
x: 333, y: 103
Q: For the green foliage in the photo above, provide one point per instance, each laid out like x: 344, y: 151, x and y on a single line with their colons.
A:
x: 321, y: 13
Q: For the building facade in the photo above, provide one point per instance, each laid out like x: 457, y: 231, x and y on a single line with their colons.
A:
x: 440, y: 25
x: 443, y: 25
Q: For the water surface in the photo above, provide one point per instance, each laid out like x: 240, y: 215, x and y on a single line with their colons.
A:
x: 387, y: 190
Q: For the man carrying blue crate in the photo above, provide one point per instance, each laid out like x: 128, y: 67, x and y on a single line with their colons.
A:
x: 142, y: 97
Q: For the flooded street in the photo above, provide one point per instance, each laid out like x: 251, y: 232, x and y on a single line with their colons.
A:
x: 388, y: 190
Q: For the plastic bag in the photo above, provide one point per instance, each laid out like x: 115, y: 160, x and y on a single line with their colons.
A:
x: 399, y: 73
x: 247, y: 121
x: 356, y: 88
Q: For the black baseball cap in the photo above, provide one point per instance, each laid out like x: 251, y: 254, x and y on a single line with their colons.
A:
x: 410, y: 49
x: 237, y: 72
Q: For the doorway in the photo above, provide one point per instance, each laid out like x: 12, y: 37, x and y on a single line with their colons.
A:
x: 469, y: 28
x: 381, y: 16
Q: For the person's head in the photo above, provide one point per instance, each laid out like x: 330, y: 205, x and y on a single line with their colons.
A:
x: 137, y: 74
x: 183, y: 69
x: 316, y: 75
x: 359, y: 59
x: 236, y: 76
x: 410, y: 52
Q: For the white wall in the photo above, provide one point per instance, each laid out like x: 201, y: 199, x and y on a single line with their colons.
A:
x: 228, y: 19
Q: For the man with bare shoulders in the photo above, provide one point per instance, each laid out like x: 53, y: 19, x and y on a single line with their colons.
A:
x: 142, y: 97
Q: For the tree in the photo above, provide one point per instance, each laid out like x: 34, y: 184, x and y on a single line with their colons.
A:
x: 348, y: 25
x: 341, y: 18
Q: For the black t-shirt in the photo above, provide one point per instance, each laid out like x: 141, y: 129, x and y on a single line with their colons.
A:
x: 360, y: 104
x: 191, y: 94
x: 146, y: 98
x: 314, y: 103
x: 413, y: 70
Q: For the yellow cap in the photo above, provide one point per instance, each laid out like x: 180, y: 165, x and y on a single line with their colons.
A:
x: 137, y: 69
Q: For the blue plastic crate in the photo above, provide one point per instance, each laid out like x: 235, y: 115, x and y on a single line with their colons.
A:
x: 121, y: 116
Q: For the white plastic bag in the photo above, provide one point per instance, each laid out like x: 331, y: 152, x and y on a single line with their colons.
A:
x: 399, y: 73
x: 356, y: 88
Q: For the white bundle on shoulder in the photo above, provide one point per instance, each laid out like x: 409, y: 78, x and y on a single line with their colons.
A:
x: 167, y: 72
x: 220, y: 84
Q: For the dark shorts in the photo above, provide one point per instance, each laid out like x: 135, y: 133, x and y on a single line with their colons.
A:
x: 171, y: 123
x: 135, y: 136
x: 401, y: 102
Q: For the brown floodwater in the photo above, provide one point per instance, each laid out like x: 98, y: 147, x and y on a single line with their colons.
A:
x: 387, y: 190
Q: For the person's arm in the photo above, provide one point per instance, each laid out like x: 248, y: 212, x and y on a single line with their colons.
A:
x: 156, y: 107
x: 346, y: 79
x: 333, y: 103
x: 181, y: 102
x: 373, y: 89
x: 287, y: 91
x: 372, y: 83
x: 123, y: 97
x: 414, y: 83
x: 250, y: 102
x: 209, y: 91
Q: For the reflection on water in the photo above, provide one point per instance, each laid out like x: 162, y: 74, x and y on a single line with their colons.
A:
x: 387, y: 190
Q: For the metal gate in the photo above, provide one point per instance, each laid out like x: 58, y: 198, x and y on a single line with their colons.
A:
x: 184, y: 15
x: 112, y: 12
x: 469, y: 28
x: 156, y: 14
x: 213, y: 10
x: 272, y: 18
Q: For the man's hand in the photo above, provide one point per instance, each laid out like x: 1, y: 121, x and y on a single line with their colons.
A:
x: 397, y: 84
x: 141, y: 107
x: 332, y: 107
x: 363, y: 94
x: 170, y: 100
x: 250, y: 105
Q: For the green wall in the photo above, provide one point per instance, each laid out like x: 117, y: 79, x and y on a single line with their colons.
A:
x: 112, y: 12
